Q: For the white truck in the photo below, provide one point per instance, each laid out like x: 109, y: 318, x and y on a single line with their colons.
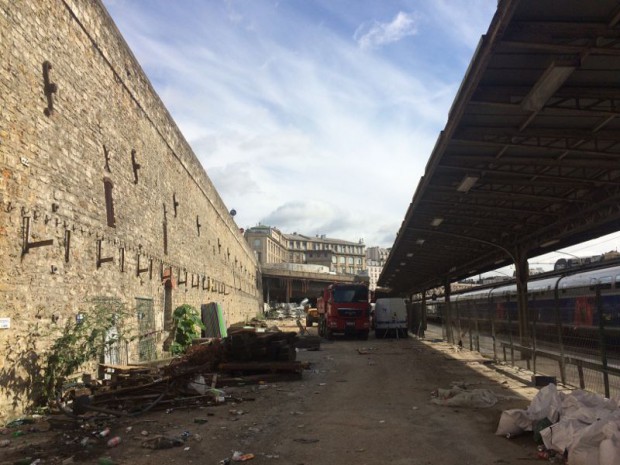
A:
x: 390, y: 317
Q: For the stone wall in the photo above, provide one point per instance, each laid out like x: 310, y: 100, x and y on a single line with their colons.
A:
x: 101, y: 197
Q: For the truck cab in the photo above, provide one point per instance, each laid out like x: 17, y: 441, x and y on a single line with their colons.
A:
x: 344, y: 309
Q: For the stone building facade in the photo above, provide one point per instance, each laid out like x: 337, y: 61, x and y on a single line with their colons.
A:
x: 378, y: 254
x: 339, y: 256
x: 268, y: 244
x: 375, y: 261
x: 102, y: 201
x: 342, y: 257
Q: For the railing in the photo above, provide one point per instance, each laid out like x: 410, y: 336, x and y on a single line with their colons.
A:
x: 575, y: 338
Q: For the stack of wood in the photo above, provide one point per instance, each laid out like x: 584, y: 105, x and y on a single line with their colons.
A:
x: 247, y: 344
x: 249, y: 351
x: 246, y: 355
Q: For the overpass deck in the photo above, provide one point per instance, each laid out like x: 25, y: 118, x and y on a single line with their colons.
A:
x: 288, y: 285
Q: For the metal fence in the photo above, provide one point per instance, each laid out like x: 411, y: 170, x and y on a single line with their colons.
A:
x: 147, y: 337
x: 574, y: 338
x: 115, y: 350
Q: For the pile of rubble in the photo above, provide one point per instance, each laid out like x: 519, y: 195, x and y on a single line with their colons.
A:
x: 281, y: 310
x: 247, y: 355
x: 88, y: 416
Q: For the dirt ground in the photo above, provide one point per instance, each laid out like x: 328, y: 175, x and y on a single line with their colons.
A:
x: 361, y: 402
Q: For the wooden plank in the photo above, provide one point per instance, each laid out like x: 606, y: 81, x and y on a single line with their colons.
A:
x: 126, y: 368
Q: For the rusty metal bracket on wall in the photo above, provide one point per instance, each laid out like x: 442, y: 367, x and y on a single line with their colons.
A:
x: 135, y: 166
x: 101, y: 260
x: 26, y: 244
x: 149, y: 268
x: 184, y: 281
x: 165, y: 230
x: 121, y: 258
x: 106, y: 154
x: 67, y: 245
x: 49, y: 88
x: 175, y: 203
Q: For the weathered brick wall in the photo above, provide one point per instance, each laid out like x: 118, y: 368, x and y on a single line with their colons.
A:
x: 104, y: 124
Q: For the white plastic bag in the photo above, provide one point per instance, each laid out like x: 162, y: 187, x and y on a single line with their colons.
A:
x: 560, y: 436
x: 609, y: 450
x: 587, y: 407
x: 546, y: 404
x: 476, y: 398
x: 513, y: 422
x: 199, y: 385
x: 585, y: 449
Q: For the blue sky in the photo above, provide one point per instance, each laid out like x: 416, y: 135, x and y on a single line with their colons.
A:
x: 314, y: 116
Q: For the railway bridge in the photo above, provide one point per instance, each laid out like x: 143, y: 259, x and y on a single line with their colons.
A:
x: 285, y: 284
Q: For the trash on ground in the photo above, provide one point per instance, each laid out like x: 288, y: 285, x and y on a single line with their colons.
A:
x: 459, y: 396
x: 245, y: 356
x: 105, y: 461
x: 115, y: 441
x: 583, y: 426
x: 161, y: 442
x: 241, y: 457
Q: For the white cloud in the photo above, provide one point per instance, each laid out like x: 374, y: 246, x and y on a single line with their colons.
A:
x: 312, y: 217
x: 295, y: 123
x: 376, y: 34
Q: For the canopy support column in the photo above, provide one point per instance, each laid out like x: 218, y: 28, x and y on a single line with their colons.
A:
x: 448, y: 309
x: 522, y: 273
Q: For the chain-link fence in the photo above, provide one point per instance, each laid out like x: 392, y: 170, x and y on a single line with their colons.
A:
x: 570, y: 333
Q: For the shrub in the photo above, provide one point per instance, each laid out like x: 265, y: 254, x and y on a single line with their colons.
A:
x: 187, y: 327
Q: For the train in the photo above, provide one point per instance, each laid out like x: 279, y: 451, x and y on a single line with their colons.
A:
x: 580, y: 302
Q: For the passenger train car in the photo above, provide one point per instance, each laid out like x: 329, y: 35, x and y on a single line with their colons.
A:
x: 579, y: 302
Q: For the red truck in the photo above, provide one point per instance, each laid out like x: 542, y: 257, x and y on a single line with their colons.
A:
x: 344, y: 308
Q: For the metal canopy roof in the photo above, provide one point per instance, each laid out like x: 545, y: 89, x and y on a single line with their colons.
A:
x: 530, y: 156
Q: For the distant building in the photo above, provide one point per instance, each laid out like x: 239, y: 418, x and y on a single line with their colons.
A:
x: 377, y: 254
x: 341, y: 256
x: 374, y: 271
x: 268, y: 244
x: 375, y: 260
x: 272, y: 246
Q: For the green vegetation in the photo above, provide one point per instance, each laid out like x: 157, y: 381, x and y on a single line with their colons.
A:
x: 187, y: 327
x: 83, y: 340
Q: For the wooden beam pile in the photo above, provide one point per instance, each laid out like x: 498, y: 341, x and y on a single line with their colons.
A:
x: 244, y: 356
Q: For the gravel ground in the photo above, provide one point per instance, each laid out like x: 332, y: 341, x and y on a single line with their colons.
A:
x: 361, y: 402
